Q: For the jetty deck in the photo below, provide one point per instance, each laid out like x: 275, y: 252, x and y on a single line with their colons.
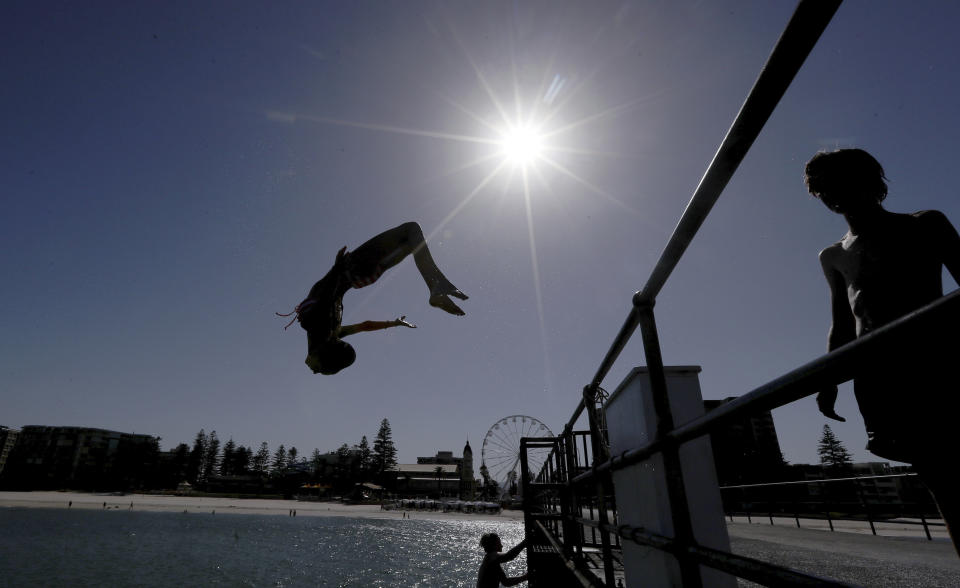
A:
x: 893, y: 560
x: 898, y: 557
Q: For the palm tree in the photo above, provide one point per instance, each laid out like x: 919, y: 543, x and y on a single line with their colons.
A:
x: 439, y: 472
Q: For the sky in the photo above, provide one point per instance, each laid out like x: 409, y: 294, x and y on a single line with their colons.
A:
x: 175, y: 173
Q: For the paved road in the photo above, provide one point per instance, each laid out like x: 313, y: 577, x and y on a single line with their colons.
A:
x: 851, y: 557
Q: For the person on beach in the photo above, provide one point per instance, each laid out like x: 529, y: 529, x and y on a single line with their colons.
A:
x: 886, y: 266
x: 491, y: 575
x: 321, y: 312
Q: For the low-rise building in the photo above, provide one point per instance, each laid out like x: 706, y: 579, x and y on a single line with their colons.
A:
x: 8, y: 438
x: 443, y: 475
x: 746, y: 450
x: 80, y: 458
x: 420, y: 479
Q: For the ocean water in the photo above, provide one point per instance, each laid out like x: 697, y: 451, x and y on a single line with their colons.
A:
x: 57, y: 547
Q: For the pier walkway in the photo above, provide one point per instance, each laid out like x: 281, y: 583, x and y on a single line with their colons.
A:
x: 895, y: 558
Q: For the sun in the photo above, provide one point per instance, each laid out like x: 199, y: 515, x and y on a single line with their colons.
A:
x: 522, y: 145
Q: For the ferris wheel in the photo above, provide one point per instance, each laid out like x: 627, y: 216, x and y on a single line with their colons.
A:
x: 500, y: 453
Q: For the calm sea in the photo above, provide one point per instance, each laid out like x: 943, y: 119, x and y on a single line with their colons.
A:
x: 56, y: 547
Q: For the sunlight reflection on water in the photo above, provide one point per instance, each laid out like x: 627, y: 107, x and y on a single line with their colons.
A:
x: 95, y: 548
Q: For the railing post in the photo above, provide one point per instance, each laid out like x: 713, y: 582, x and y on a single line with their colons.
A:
x: 770, y: 505
x: 576, y: 533
x: 824, y: 502
x: 866, y: 507
x: 564, y: 494
x: 680, y: 509
x: 599, y: 456
x: 743, y: 504
x: 528, y: 521
x: 588, y: 451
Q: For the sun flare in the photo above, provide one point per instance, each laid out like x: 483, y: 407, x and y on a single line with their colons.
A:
x: 522, y: 145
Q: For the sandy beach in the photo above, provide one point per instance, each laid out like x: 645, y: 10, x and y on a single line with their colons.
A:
x: 214, y: 505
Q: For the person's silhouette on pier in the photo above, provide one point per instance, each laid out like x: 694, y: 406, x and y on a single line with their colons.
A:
x: 321, y: 313
x: 491, y: 575
x: 886, y: 266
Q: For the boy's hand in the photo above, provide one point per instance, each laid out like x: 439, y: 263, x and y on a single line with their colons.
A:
x: 402, y: 322
x: 826, y: 400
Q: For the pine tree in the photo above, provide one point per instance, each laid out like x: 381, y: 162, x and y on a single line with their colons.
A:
x: 833, y: 455
x: 316, y: 463
x: 365, y: 455
x: 181, y: 463
x: 197, y: 455
x: 292, y: 457
x: 279, y: 460
x: 228, y: 463
x: 241, y: 461
x: 212, y: 457
x: 384, y: 453
x: 261, y: 460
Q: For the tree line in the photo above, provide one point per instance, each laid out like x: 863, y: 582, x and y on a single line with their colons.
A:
x: 208, y: 463
x: 138, y: 464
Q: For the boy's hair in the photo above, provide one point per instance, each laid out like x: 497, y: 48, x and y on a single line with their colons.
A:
x: 489, y: 541
x: 845, y: 170
x: 332, y: 356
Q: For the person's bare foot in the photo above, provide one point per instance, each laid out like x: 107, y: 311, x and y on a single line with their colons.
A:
x: 443, y: 302
x: 446, y: 289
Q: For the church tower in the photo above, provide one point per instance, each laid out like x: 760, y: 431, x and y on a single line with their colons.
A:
x: 467, y: 483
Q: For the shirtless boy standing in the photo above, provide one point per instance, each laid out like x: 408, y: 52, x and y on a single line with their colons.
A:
x: 888, y: 265
x: 491, y: 575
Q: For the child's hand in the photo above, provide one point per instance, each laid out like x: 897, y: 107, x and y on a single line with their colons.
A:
x: 826, y: 400
x: 402, y: 322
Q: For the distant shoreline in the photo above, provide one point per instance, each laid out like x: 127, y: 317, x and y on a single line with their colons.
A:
x: 218, y: 505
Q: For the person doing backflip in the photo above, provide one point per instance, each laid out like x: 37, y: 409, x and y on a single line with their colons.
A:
x: 491, y: 575
x: 886, y: 266
x: 321, y: 312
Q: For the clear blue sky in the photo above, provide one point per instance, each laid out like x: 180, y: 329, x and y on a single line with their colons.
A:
x: 174, y: 173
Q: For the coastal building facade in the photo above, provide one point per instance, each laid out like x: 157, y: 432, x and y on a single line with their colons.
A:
x: 47, y: 457
x: 442, y: 475
x: 747, y: 450
x: 8, y: 437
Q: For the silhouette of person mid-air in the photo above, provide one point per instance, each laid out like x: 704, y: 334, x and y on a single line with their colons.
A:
x: 886, y: 266
x: 491, y: 575
x: 321, y: 313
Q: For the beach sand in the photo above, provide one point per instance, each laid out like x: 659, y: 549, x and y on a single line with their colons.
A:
x: 206, y: 504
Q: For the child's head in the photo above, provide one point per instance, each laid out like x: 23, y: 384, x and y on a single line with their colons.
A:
x: 330, y: 357
x: 839, y: 176
x: 490, y: 542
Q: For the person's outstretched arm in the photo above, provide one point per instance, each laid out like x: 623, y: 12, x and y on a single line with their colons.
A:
x: 374, y: 326
x: 842, y: 328
x: 513, y: 553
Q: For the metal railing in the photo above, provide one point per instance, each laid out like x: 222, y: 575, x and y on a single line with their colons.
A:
x: 835, y: 499
x: 554, y: 501
x: 560, y: 514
